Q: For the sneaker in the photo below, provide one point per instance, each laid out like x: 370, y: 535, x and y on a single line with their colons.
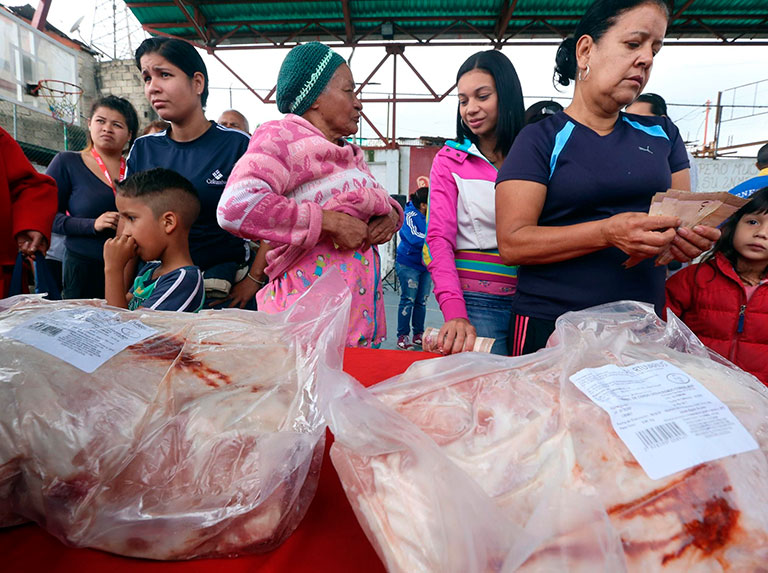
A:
x: 403, y: 342
x: 417, y: 338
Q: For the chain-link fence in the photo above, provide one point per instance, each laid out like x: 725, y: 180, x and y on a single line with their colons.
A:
x: 40, y: 136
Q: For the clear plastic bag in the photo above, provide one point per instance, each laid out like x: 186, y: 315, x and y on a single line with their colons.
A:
x: 473, y: 463
x: 203, y: 440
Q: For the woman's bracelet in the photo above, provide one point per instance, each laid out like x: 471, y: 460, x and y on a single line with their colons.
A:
x: 257, y: 281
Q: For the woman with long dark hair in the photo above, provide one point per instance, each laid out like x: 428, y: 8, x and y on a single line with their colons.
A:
x: 176, y: 84
x: 473, y: 286
x: 87, y: 215
x: 572, y: 197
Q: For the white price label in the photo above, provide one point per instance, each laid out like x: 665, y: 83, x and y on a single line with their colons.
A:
x: 668, y: 420
x: 84, y: 337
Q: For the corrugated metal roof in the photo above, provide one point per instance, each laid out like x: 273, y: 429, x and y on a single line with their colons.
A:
x: 282, y: 23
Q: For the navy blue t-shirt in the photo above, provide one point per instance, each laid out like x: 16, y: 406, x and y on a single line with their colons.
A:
x: 180, y: 290
x: 206, y: 162
x: 591, y: 177
x: 83, y: 197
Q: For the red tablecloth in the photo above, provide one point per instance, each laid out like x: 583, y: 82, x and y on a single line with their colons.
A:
x: 328, y: 539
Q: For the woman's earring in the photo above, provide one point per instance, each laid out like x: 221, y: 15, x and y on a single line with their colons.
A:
x: 583, y: 77
x: 463, y: 125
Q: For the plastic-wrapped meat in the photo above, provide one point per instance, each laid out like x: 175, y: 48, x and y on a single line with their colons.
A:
x: 481, y: 463
x: 202, y: 440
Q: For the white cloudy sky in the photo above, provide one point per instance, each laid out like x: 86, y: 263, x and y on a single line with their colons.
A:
x: 687, y: 76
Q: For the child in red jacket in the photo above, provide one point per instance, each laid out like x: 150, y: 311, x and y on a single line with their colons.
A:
x: 724, y: 299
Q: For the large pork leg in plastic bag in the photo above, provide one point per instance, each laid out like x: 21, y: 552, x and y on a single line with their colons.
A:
x: 474, y: 463
x: 204, y: 439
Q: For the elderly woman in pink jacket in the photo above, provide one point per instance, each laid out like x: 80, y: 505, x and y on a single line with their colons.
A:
x: 309, y: 193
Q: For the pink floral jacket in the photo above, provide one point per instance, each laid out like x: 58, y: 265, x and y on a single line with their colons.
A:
x: 289, y: 175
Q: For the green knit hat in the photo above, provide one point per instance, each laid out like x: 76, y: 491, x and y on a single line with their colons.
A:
x: 305, y: 72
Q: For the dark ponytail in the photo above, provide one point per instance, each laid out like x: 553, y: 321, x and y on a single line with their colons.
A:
x: 565, y: 62
x: 597, y: 20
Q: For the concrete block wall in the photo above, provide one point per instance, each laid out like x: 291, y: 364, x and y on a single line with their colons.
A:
x: 120, y: 77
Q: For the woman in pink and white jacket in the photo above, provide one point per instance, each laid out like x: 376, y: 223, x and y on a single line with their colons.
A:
x: 308, y: 192
x: 473, y: 287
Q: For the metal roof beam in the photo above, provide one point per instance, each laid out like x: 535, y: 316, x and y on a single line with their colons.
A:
x: 327, y: 31
x: 41, y: 15
x: 242, y: 81
x: 378, y: 133
x: 228, y: 35
x: 711, y: 31
x: 405, y: 19
x: 408, y: 33
x: 506, y: 14
x: 681, y: 10
x: 196, y: 19
x: 262, y: 34
x: 373, y: 73
x: 349, y: 29
x: 418, y: 75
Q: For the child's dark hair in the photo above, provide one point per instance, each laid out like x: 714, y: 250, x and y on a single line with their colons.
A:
x: 121, y: 106
x: 758, y: 204
x: 657, y: 103
x: 420, y: 196
x: 181, y: 54
x: 596, y: 21
x: 156, y: 125
x: 163, y: 190
x: 510, y: 97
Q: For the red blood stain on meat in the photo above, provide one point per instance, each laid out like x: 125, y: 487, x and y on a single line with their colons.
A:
x: 172, y: 348
x: 700, y: 500
x: 73, y: 489
x: 712, y: 531
x: 137, y: 544
x: 484, y: 417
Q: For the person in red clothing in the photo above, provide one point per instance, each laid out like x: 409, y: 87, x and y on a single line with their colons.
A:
x: 724, y: 299
x: 27, y: 206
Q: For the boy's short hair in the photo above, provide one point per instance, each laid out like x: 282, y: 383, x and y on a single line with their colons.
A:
x: 163, y: 190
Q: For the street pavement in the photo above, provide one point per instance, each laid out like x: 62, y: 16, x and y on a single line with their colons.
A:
x: 392, y: 300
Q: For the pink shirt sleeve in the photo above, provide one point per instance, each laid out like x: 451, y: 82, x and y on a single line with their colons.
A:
x: 254, y: 204
x: 441, y: 240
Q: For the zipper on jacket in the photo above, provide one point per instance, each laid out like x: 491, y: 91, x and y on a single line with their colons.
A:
x: 740, y: 328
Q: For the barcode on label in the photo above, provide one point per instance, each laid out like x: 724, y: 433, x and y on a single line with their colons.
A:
x: 660, y: 435
x: 48, y: 329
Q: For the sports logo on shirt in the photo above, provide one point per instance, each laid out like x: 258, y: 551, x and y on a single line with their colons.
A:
x: 217, y: 178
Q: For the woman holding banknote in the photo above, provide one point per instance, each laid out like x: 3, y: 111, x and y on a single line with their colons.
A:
x: 572, y: 197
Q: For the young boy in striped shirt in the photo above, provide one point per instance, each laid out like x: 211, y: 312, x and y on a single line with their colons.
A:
x: 157, y: 208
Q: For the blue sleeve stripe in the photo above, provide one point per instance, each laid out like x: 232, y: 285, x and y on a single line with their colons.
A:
x: 653, y: 130
x: 560, y: 140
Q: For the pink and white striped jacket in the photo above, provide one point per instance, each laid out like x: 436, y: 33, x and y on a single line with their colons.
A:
x: 460, y: 249
x: 291, y: 173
